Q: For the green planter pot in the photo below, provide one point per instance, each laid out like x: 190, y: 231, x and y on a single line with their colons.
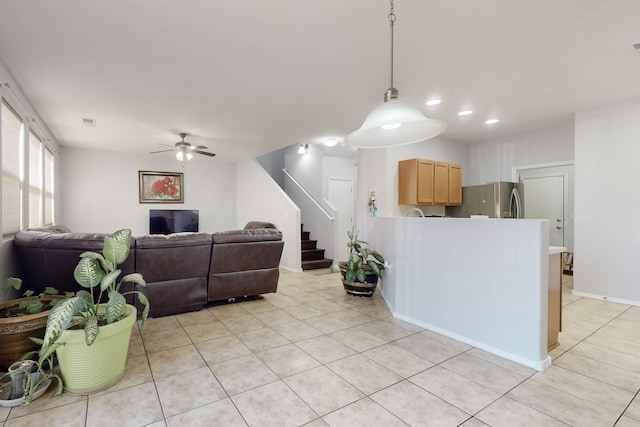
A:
x: 86, y: 369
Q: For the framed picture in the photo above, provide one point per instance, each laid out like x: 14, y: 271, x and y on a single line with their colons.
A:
x: 161, y: 187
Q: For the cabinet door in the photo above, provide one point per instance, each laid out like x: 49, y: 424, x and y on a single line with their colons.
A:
x: 408, y: 182
x: 425, y: 182
x: 455, y: 185
x: 441, y: 183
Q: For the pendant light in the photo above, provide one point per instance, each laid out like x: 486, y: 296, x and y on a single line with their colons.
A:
x: 394, y: 123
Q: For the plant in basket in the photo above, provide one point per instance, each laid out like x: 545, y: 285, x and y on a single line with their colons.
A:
x: 361, y: 272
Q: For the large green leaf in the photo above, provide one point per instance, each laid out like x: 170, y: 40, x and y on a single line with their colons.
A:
x: 108, y: 280
x: 135, y: 278
x: 350, y: 275
x: 91, y: 330
x: 361, y: 276
x: 88, y: 272
x: 59, y: 388
x: 60, y: 317
x: 12, y: 282
x: 355, y: 258
x: 50, y: 291
x: 374, y: 267
x: 378, y: 257
x: 117, y: 246
x: 115, y: 306
x: 144, y: 301
x: 86, y: 297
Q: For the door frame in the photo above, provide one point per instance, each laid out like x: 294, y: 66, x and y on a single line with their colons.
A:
x: 543, y: 172
x: 340, y: 240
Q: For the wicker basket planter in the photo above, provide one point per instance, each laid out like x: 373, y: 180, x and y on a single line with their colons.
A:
x: 15, y: 332
x: 366, y: 288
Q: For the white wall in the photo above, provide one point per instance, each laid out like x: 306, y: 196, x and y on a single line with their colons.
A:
x: 494, y: 160
x: 101, y: 190
x: 482, y: 282
x: 273, y: 163
x: 607, y: 206
x: 259, y: 199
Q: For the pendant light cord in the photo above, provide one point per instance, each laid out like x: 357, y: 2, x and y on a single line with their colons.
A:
x: 392, y: 20
x: 392, y: 92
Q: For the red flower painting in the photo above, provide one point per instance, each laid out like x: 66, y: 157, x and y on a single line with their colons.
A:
x: 157, y: 187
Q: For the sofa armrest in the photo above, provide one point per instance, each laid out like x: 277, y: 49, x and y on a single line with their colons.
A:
x: 258, y: 224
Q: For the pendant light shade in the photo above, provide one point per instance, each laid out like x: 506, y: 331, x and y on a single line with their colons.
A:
x: 394, y: 123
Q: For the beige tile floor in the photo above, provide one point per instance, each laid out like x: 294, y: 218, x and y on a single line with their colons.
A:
x: 312, y: 355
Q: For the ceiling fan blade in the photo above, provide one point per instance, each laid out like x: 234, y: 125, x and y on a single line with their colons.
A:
x: 197, y: 147
x: 161, y: 151
x: 206, y: 153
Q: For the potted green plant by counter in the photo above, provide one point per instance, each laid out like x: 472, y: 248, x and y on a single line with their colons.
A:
x: 361, y: 272
x: 22, y: 318
x: 94, y: 336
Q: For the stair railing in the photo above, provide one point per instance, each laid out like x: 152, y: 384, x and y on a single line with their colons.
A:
x: 316, y: 218
x: 309, y: 196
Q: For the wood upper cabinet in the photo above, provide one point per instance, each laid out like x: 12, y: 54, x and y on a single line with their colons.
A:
x: 441, y: 184
x: 427, y: 182
x: 455, y: 185
x: 415, y: 182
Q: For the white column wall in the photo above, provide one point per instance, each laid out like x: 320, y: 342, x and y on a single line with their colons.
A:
x: 482, y: 282
x: 607, y: 206
x: 260, y: 199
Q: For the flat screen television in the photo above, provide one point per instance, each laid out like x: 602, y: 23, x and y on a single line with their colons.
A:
x: 167, y: 221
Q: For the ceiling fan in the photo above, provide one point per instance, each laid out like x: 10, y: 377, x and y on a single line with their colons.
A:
x: 184, y: 150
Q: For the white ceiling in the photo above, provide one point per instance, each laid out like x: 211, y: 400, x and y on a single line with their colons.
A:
x: 246, y: 77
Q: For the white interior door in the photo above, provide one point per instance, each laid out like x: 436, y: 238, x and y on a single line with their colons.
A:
x: 544, y: 199
x: 340, y: 194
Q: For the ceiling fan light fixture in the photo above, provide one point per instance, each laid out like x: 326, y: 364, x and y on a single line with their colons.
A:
x: 394, y: 123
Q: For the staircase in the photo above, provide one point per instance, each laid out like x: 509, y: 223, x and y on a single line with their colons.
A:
x: 312, y: 257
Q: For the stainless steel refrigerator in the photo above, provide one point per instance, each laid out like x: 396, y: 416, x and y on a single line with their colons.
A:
x: 496, y: 200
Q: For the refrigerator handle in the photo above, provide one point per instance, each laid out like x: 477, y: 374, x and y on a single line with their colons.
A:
x: 515, y: 203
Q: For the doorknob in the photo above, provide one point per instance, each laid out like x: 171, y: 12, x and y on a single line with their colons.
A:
x: 558, y: 227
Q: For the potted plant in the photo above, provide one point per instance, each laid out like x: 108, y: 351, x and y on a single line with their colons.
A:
x: 361, y: 272
x: 94, y: 336
x: 22, y: 318
x: 29, y: 378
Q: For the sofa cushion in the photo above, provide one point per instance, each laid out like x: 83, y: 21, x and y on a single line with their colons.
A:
x: 175, y: 240
x: 250, y: 235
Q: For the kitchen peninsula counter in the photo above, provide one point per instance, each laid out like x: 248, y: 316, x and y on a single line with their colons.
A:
x: 480, y: 281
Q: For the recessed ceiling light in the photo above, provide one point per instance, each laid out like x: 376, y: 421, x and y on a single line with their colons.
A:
x: 433, y: 102
x: 491, y: 121
x: 330, y: 142
x: 465, y: 112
